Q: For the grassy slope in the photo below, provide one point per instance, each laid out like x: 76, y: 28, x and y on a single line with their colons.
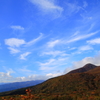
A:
x: 73, y: 83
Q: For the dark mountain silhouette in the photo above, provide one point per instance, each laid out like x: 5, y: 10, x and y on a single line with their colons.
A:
x: 79, y: 84
x: 85, y: 68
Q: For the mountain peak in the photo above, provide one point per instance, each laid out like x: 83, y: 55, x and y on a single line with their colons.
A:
x: 89, y: 65
x: 85, y: 68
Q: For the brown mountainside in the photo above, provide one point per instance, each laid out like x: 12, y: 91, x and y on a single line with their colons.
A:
x: 78, y: 83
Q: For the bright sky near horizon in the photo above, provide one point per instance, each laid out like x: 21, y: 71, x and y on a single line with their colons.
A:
x: 40, y: 39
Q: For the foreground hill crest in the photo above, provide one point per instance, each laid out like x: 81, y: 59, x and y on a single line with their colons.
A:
x: 79, y: 84
x: 85, y: 68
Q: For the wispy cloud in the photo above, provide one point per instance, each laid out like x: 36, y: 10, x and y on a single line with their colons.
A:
x: 55, y: 53
x: 15, y: 45
x: 81, y: 37
x: 53, y: 43
x: 94, y: 41
x: 24, y: 55
x: 48, y: 6
x: 74, y: 38
x: 46, y: 66
x: 34, y: 40
x: 75, y: 34
x: 72, y: 8
x: 6, y: 76
x: 84, y: 48
x: 13, y: 50
x: 77, y: 64
x: 85, y: 4
x: 51, y: 64
x: 17, y: 27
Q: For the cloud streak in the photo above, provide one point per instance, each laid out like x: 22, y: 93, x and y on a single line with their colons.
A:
x: 81, y: 37
x: 34, y: 40
x: 48, y: 6
x: 84, y: 48
x: 17, y: 27
x: 13, y: 50
x: 52, y: 44
x: 15, y: 45
x: 51, y: 64
x: 55, y: 53
x: 24, y: 55
x: 94, y: 41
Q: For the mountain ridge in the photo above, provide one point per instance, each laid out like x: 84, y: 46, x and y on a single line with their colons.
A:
x: 85, y: 68
x: 79, y: 84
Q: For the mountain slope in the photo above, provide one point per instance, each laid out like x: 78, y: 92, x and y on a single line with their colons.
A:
x: 75, y: 84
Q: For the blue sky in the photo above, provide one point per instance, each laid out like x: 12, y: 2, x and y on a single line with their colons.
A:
x: 40, y: 39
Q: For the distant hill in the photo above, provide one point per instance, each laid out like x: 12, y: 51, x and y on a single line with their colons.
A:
x: 80, y: 84
x: 18, y: 85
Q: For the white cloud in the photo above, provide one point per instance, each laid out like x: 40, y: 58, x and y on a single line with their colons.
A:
x: 7, y: 78
x: 51, y: 64
x: 75, y: 34
x: 48, y: 6
x: 46, y: 66
x: 72, y: 8
x: 94, y: 41
x: 38, y: 77
x: 55, y: 53
x: 15, y: 45
x: 2, y: 74
x: 24, y: 55
x: 50, y: 75
x: 83, y: 49
x: 34, y: 40
x: 86, y: 47
x: 77, y: 64
x: 51, y: 44
x: 16, y: 27
x: 14, y: 42
x: 13, y: 50
x: 25, y: 70
x: 77, y: 38
x: 92, y: 60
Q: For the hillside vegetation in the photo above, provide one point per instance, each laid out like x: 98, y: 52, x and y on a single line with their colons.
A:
x: 76, y: 85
